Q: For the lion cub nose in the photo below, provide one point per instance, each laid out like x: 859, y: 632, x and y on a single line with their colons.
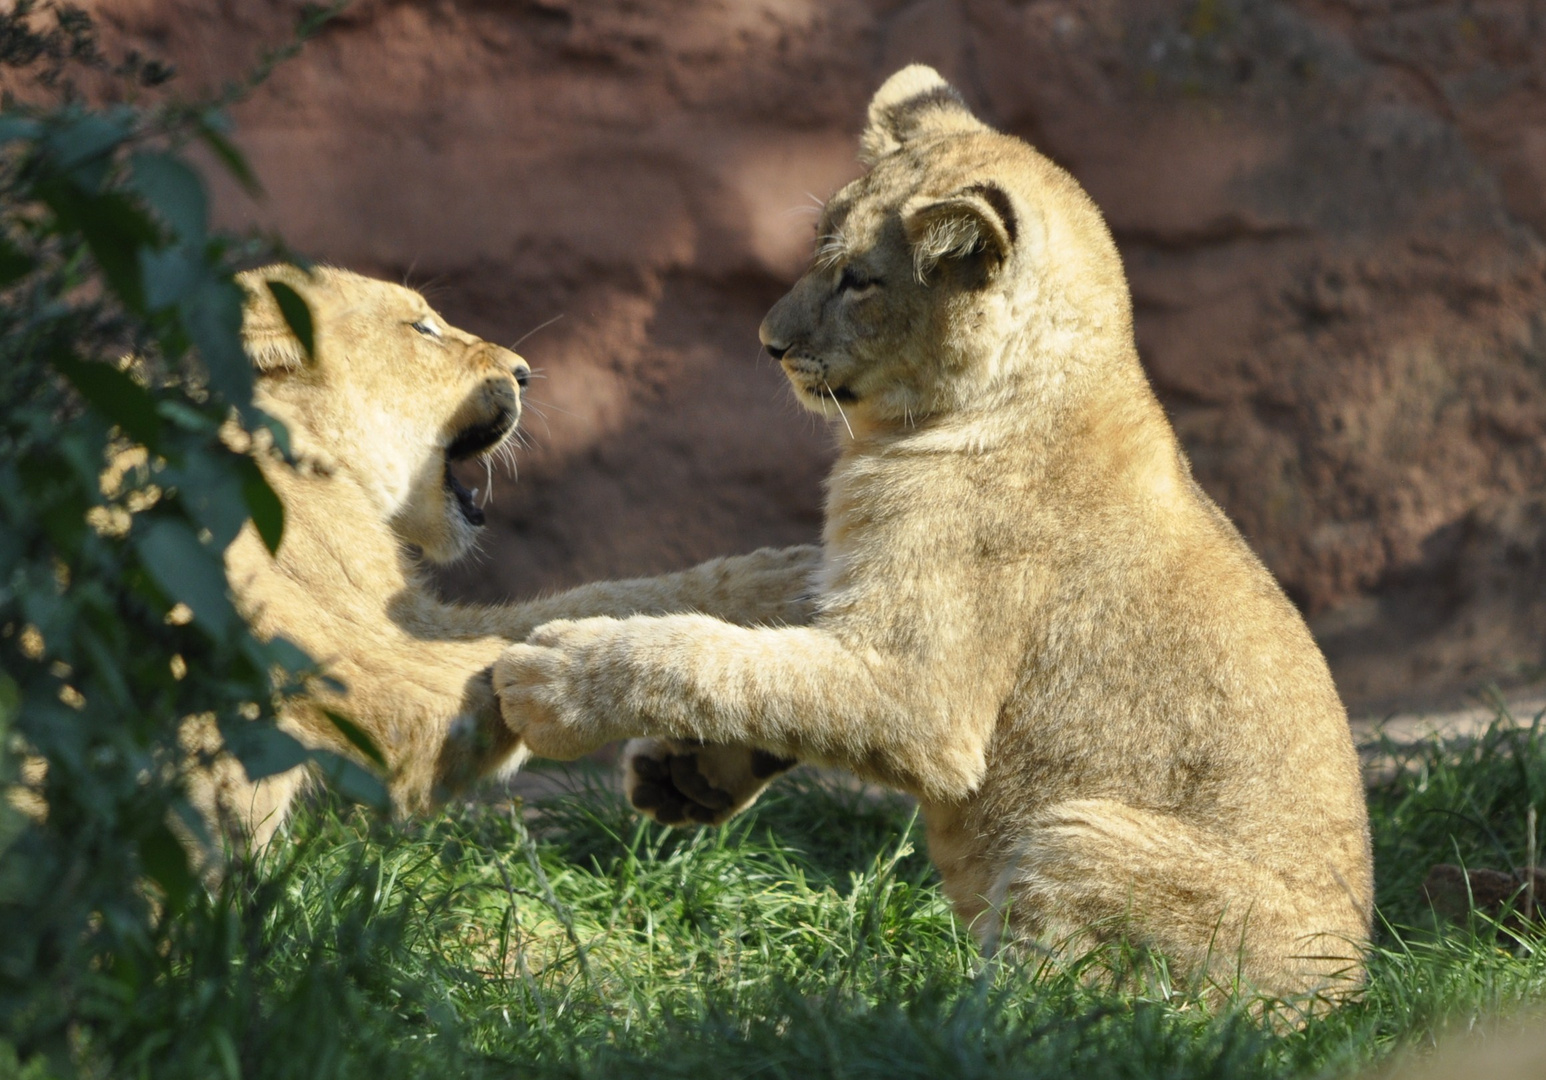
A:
x: 769, y: 338
x: 520, y: 370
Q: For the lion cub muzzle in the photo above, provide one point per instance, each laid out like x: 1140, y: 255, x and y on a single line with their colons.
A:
x: 806, y: 372
x: 485, y: 421
x: 491, y: 411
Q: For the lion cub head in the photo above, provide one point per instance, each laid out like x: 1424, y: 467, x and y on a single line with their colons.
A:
x: 391, y: 395
x: 959, y: 256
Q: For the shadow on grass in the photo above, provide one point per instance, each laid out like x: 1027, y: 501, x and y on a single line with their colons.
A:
x: 828, y: 828
x: 939, y: 1031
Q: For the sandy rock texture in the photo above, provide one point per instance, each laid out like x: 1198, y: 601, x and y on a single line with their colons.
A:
x: 1332, y: 213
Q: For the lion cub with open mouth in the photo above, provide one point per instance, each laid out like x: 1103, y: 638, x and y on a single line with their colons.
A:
x: 382, y: 407
x: 1029, y: 615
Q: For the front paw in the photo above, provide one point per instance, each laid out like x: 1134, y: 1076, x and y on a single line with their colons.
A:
x: 537, y: 701
x: 478, y: 742
x: 783, y: 582
x: 677, y: 781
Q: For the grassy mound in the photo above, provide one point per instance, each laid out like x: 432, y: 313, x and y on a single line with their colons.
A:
x: 808, y: 939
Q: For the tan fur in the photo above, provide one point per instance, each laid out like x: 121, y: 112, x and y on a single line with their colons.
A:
x: 1030, y: 616
x: 372, y: 417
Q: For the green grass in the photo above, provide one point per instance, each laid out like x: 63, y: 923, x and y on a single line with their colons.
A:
x: 808, y: 939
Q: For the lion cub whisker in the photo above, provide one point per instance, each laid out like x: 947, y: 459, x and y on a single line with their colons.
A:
x: 840, y: 411
x: 533, y: 330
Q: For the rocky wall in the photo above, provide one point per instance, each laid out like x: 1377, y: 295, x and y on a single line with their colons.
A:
x: 1332, y: 214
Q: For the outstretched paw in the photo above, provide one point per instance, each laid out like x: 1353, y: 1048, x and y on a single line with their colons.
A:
x: 538, y: 702
x: 677, y: 782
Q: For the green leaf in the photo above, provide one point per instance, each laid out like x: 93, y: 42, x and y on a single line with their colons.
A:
x: 82, y: 149
x: 10, y: 702
x: 114, y: 395
x: 175, y: 192
x: 229, y: 156
x: 268, y: 513
x: 353, y: 781
x: 103, y: 658
x: 10, y: 705
x: 14, y: 871
x: 210, y: 485
x: 189, y: 571
x: 263, y: 749
x: 212, y: 317
x: 14, y: 263
x: 225, y: 1049
x: 290, y: 656
x: 257, y: 418
x: 166, y: 862
x: 186, y: 417
x: 296, y: 314
x: 357, y: 737
x: 115, y: 229
x: 170, y: 274
x: 13, y: 128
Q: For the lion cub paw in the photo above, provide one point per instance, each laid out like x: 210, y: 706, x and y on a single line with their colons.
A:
x: 677, y: 782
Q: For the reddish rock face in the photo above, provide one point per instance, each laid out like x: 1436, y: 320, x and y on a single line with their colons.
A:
x: 1332, y: 214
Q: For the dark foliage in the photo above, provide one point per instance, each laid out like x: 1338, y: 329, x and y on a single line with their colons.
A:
x: 123, y: 392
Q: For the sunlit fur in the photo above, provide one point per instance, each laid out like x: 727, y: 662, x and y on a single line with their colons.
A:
x: 1031, y: 617
x: 371, y: 415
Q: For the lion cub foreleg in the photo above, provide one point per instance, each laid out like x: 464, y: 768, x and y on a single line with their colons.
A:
x: 799, y: 693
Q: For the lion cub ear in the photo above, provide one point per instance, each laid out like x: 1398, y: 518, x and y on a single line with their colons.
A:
x: 915, y: 101
x: 266, y: 337
x: 978, y: 222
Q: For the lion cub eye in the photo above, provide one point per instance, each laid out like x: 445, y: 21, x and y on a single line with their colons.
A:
x: 855, y: 281
x: 427, y: 328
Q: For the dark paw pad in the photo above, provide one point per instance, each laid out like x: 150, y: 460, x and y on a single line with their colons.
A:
x: 765, y: 764
x: 661, y: 801
x: 692, y: 783
x: 651, y: 770
x: 704, y: 815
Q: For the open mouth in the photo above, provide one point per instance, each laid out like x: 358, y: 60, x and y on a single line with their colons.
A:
x: 471, y: 511
x: 478, y: 439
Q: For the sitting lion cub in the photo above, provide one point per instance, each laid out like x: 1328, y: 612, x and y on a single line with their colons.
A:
x: 1029, y: 615
x: 388, y: 400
